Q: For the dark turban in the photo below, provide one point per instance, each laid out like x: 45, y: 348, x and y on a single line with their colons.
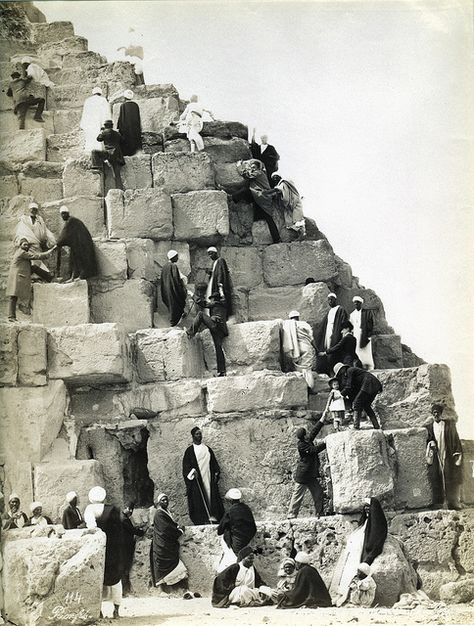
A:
x: 244, y: 552
x: 437, y: 407
x: 300, y: 433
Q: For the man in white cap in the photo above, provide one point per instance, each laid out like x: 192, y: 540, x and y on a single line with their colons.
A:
x: 95, y: 112
x: 173, y: 288
x: 298, y: 346
x: 191, y: 122
x: 37, y: 518
x: 14, y: 517
x: 33, y: 228
x: 330, y: 333
x: 107, y: 518
x: 237, y: 528
x: 219, y: 279
x: 362, y: 588
x: 20, y: 90
x: 72, y: 517
x: 363, y: 321
x: 129, y: 124
x: 76, y: 236
x: 309, y: 589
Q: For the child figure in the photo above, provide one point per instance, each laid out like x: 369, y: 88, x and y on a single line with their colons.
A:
x: 335, y: 404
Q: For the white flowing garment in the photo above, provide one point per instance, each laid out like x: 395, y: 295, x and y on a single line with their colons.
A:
x: 365, y: 353
x: 244, y: 591
x: 37, y: 234
x: 346, y: 567
x: 438, y: 430
x: 203, y: 458
x: 330, y: 325
x: 95, y: 112
x: 298, y: 344
x: 38, y: 74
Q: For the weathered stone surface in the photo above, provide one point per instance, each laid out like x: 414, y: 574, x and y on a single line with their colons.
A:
x: 109, y: 76
x: 129, y: 303
x: 387, y: 351
x: 166, y: 355
x: 66, y: 119
x: 111, y: 259
x: 155, y: 112
x: 393, y: 573
x: 23, y: 145
x: 56, y: 304
x: 136, y: 173
x: 459, y: 592
x: 409, y: 393
x: 79, y: 179
x: 217, y: 128
x: 251, y: 346
x: 54, y: 479
x: 32, y: 359
x: 152, y: 142
x: 10, y: 212
x: 220, y: 150
x: 344, y: 273
x: 410, y: 471
x: 9, y: 121
x: 32, y: 418
x: 256, y: 391
x: 261, y: 233
x: 140, y: 259
x: 69, y: 145
x: 182, y: 248
x: 292, y: 263
x: 53, y: 31
x: 53, y: 579
x: 139, y: 213
x: 466, y: 541
x: 180, y: 172
x: 89, y: 353
x: 9, y: 186
x: 71, y: 96
x: 200, y: 215
x: 42, y: 189
x: 83, y: 60
x: 245, y: 265
x: 360, y: 465
x: 19, y: 479
x: 88, y: 209
x: 8, y: 354
x: 467, y: 489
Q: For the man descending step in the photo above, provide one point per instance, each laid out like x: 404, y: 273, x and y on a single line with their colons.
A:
x: 363, y: 321
x: 20, y: 90
x: 360, y: 387
x: 237, y: 528
x: 201, y: 474
x: 78, y: 239
x: 111, y: 155
x: 129, y: 125
x: 33, y: 228
x: 220, y: 275
x: 330, y: 333
x: 173, y: 288
x: 265, y: 153
x: 298, y: 346
x: 95, y: 112
x: 306, y: 476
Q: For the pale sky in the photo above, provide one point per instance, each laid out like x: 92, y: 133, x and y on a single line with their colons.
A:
x: 370, y: 105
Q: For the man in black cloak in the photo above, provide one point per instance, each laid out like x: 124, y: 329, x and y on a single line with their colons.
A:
x: 267, y: 154
x: 361, y: 388
x: 375, y: 531
x: 220, y: 275
x: 173, y: 289
x: 201, y: 474
x: 130, y: 532
x: 112, y: 153
x: 240, y: 584
x: 129, y: 125
x: 72, y: 517
x: 238, y: 523
x: 344, y: 351
x: 330, y: 334
x: 76, y: 236
x: 309, y: 589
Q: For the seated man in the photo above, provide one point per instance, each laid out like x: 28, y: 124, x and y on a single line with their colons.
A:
x: 37, y: 518
x: 240, y: 584
x: 286, y: 576
x: 309, y: 589
x: 362, y: 588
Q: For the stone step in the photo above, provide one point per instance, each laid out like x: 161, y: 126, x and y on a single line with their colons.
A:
x: 23, y: 145
x: 51, y: 32
x: 58, y: 304
x: 51, y: 53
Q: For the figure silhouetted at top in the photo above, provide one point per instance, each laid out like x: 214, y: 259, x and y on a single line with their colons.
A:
x: 76, y: 236
x: 265, y: 153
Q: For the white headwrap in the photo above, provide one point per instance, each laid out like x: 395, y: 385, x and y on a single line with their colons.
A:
x: 302, y: 557
x: 357, y: 299
x: 13, y: 496
x: 364, y: 568
x: 97, y: 495
x: 35, y: 505
x: 171, y: 254
x: 97, y: 91
x: 33, y: 205
x: 212, y: 249
x: 292, y: 314
x: 128, y: 93
x: 63, y: 209
x: 331, y: 295
x: 70, y: 496
x: 233, y: 494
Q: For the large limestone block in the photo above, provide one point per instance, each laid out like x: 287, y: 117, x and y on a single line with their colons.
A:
x: 8, y: 354
x: 68, y: 145
x: 54, y: 479
x: 140, y: 259
x: 86, y: 208
x: 220, y: 150
x: 9, y: 186
x: 9, y: 122
x: 292, y: 263
x: 111, y: 259
x: 56, y: 304
x: 200, y: 215
x: 71, y: 96
x: 387, y: 351
x: 393, y: 573
x: 129, y: 303
x: 42, y: 189
x: 277, y: 302
x: 409, y: 393
x: 32, y: 419
x: 180, y: 172
x: 155, y: 112
x: 53, y: 580
x: 256, y: 391
x: 360, y: 468
x: 89, y: 353
x: 245, y: 265
x: 79, y: 179
x: 139, y: 213
x: 459, y: 592
x: 410, y: 471
x: 250, y: 346
x: 166, y: 355
x: 108, y: 75
x: 83, y: 60
x: 32, y: 357
x: 52, y: 31
x: 216, y: 128
x: 19, y: 479
x: 23, y: 145
x: 66, y: 120
x: 136, y: 173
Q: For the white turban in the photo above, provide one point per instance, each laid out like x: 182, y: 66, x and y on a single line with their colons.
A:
x: 171, y: 254
x: 13, y: 496
x: 364, y: 568
x: 63, y: 209
x: 97, y: 91
x: 33, y: 205
x: 212, y: 249
x: 233, y: 494
x: 97, y: 495
x: 27, y: 60
x: 357, y: 299
x: 292, y: 314
x: 337, y: 367
x: 70, y: 496
x: 331, y: 295
x: 302, y: 557
x: 161, y: 495
x: 128, y: 93
x: 35, y: 505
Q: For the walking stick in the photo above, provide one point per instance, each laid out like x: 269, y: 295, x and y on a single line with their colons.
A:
x: 191, y: 476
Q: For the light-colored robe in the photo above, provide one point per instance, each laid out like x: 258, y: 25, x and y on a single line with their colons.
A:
x: 298, y: 345
x: 95, y: 112
x: 37, y: 234
x: 365, y: 353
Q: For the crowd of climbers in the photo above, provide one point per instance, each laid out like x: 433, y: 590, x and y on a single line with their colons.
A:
x: 342, y: 350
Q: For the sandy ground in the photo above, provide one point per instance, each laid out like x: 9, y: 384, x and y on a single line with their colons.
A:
x: 172, y: 611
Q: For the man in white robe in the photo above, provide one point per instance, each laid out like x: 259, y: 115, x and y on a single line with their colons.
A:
x: 191, y: 123
x: 33, y: 228
x: 95, y: 112
x: 362, y: 321
x: 298, y: 345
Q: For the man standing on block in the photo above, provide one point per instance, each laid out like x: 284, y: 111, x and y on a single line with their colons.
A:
x: 360, y: 387
x: 95, y: 112
x: 330, y: 333
x: 76, y: 236
x: 33, y: 228
x: 237, y: 528
x: 129, y: 125
x: 111, y: 155
x: 306, y: 475
x: 219, y: 275
x: 298, y: 347
x: 19, y: 89
x: 363, y: 322
x: 266, y: 154
x: 201, y: 474
x: 173, y: 288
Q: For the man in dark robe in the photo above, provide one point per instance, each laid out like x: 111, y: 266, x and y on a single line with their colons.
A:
x: 219, y: 276
x: 72, y: 517
x: 444, y: 454
x: 173, y: 288
x: 376, y: 530
x: 240, y: 584
x: 20, y: 90
x: 330, y: 334
x: 112, y: 153
x: 360, y: 387
x: 344, y: 351
x: 309, y: 589
x: 76, y: 236
x: 267, y: 154
x: 238, y: 523
x: 130, y: 532
x: 129, y: 125
x: 201, y: 474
